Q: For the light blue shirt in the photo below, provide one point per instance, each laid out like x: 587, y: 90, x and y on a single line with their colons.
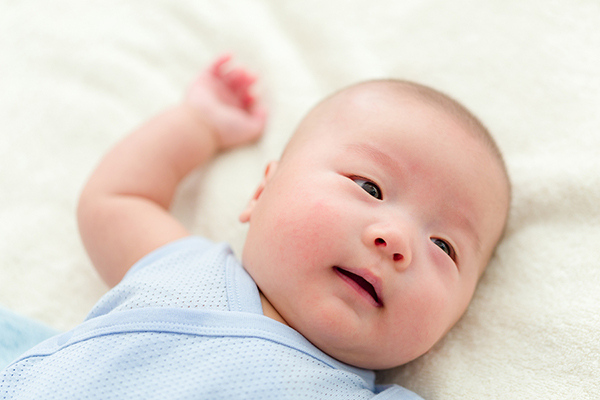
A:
x: 186, y: 322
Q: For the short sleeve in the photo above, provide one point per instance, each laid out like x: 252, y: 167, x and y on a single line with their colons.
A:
x: 186, y: 273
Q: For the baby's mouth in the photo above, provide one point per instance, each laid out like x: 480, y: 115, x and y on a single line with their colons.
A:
x: 362, y: 283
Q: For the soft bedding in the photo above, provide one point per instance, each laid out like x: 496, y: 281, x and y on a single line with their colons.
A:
x: 77, y: 76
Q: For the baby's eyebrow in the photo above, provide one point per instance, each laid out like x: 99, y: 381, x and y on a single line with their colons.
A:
x: 376, y: 155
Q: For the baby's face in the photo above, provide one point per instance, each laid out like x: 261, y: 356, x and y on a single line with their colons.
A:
x: 369, y: 236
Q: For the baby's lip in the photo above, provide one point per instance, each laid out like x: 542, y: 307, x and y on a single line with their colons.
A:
x: 364, y: 281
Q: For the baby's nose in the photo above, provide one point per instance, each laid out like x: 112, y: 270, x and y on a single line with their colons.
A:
x: 380, y: 242
x: 392, y: 240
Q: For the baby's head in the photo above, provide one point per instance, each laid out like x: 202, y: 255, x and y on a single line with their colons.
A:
x: 369, y: 235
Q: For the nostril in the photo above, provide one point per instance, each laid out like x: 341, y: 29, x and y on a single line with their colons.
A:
x: 395, y: 256
x: 380, y: 242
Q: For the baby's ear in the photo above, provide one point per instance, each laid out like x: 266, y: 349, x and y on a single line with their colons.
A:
x: 269, y: 171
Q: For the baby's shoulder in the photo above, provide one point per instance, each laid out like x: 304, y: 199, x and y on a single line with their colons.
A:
x: 188, y: 273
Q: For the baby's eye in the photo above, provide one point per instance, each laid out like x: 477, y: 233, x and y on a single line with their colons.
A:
x: 369, y: 187
x: 445, y: 246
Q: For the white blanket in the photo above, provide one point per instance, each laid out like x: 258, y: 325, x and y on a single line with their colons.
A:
x: 76, y: 76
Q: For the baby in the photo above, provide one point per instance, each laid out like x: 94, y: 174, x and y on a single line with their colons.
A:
x: 365, y: 243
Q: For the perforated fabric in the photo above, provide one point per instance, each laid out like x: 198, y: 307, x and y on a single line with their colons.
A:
x: 138, y: 345
x: 203, y: 287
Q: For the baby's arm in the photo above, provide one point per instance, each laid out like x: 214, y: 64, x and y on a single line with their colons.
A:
x: 123, y: 210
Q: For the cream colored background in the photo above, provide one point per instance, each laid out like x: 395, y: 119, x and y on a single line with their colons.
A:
x: 77, y: 76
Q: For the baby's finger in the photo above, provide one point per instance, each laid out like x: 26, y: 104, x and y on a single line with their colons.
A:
x: 238, y: 79
x: 248, y: 81
x: 247, y: 101
x: 217, y: 66
x: 239, y: 83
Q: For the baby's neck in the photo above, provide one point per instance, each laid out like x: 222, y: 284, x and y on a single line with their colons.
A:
x: 270, y: 311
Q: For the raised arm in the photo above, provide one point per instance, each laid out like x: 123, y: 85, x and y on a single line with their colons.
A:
x: 123, y: 211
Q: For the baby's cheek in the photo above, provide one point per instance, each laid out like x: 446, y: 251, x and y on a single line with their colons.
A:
x: 312, y: 223
x: 422, y: 317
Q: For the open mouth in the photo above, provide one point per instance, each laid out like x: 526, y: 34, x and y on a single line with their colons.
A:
x: 362, y: 284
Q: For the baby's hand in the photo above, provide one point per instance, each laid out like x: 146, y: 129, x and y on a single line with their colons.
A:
x: 222, y: 96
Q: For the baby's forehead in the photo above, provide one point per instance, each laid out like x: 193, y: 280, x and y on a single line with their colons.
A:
x: 364, y: 100
x: 364, y: 95
x: 376, y: 107
x: 367, y: 100
x: 398, y: 95
x: 369, y: 107
x: 383, y: 91
x: 379, y: 102
x: 392, y: 93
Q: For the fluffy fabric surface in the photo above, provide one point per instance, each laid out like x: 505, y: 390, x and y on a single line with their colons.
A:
x: 75, y: 77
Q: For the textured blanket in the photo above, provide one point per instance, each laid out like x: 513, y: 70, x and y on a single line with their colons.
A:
x: 76, y: 76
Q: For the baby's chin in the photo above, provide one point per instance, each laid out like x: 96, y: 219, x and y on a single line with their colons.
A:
x: 375, y: 362
x: 370, y: 357
x: 370, y: 349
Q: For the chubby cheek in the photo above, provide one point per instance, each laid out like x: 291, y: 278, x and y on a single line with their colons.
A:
x: 292, y: 233
x: 420, y: 319
x: 307, y: 225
